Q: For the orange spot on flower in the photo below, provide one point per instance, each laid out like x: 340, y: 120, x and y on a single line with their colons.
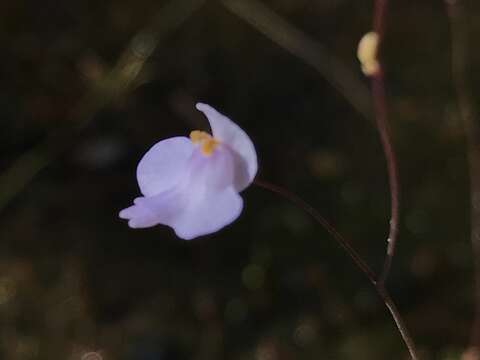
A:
x: 207, y: 142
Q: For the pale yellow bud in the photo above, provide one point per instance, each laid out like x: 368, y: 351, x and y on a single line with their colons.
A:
x: 367, y: 53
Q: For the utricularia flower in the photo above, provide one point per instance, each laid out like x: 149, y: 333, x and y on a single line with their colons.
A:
x: 193, y: 184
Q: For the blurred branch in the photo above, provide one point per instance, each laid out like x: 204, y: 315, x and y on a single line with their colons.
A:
x: 468, y: 115
x: 277, y: 29
x: 114, y: 84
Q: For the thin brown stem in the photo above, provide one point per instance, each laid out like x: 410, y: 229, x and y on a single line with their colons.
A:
x: 379, y: 13
x: 380, y: 111
x: 378, y: 93
x: 344, y: 243
x: 402, y: 328
x: 354, y: 255
x: 467, y: 112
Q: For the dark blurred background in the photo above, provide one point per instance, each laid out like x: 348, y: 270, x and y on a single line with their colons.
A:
x: 87, y: 87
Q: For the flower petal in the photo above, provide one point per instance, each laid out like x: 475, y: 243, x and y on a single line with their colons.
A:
x: 208, y: 213
x: 209, y: 199
x: 234, y: 137
x: 138, y: 217
x: 163, y: 165
x: 189, y: 214
x: 150, y: 211
x: 210, y: 173
x: 203, y: 202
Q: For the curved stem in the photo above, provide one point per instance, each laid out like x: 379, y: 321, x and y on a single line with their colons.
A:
x: 402, y: 328
x: 354, y: 255
x: 378, y: 92
x: 344, y: 243
x: 380, y: 111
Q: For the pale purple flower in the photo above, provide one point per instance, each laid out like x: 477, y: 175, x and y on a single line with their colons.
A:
x: 192, y: 184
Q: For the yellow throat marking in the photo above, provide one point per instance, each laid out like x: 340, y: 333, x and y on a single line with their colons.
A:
x: 207, y: 142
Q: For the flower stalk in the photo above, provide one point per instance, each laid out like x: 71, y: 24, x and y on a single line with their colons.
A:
x: 354, y: 255
x: 368, y: 50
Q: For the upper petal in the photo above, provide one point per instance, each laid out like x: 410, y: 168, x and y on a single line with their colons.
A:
x: 233, y: 136
x: 164, y: 165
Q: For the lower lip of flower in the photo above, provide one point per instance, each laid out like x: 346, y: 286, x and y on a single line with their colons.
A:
x: 207, y: 142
